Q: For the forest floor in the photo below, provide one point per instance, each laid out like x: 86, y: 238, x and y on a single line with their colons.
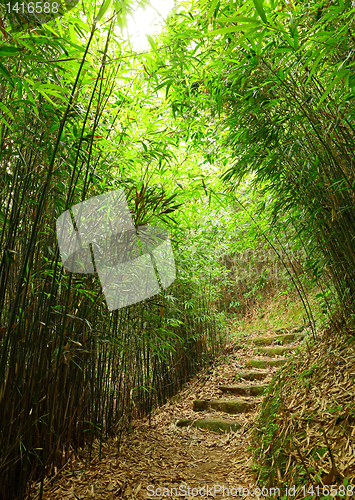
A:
x: 158, y: 456
x: 162, y: 455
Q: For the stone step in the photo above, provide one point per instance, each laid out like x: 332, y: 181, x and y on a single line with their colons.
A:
x: 280, y: 339
x: 233, y: 407
x: 264, y: 363
x: 275, y: 351
x: 290, y: 329
x: 261, y: 340
x: 212, y: 424
x: 251, y: 375
x: 244, y: 389
x: 281, y: 331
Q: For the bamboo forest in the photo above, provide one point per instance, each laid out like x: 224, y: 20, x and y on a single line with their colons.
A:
x: 177, y: 268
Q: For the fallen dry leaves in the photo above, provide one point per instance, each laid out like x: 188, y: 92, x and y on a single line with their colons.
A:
x: 160, y: 454
x: 163, y: 455
x: 316, y: 417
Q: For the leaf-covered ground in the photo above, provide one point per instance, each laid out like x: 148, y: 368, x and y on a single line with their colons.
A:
x: 307, y: 423
x: 162, y: 455
x: 159, y: 459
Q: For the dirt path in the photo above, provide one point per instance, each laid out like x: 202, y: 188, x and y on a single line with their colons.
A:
x: 160, y: 459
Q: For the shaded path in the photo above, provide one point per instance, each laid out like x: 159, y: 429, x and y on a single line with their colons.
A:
x: 163, y: 455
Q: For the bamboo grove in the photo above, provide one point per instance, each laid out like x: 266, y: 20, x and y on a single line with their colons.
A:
x: 278, y: 81
x: 71, y: 372
x: 260, y: 92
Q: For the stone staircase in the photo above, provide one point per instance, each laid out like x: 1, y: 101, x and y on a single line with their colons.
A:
x: 245, y: 392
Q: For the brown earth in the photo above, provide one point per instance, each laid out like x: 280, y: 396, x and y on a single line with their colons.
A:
x: 158, y: 456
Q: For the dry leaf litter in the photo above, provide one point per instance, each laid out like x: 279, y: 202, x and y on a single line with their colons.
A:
x: 316, y: 417
x: 158, y: 454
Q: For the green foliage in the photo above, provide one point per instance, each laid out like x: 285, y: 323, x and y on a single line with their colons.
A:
x: 278, y: 86
x: 76, y: 122
x: 235, y: 132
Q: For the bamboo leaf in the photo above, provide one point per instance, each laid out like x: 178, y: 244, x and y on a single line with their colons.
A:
x: 6, y: 110
x: 314, y: 67
x: 212, y: 8
x: 230, y: 29
x: 238, y: 19
x: 6, y: 74
x: 9, y: 51
x: 330, y: 87
x: 259, y: 7
x: 104, y: 8
x: 151, y: 43
x: 49, y: 86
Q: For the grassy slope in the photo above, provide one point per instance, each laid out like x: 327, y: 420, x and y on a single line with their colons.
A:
x: 305, y: 433
x: 278, y: 312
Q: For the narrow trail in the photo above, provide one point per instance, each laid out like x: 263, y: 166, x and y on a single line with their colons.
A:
x: 180, y: 448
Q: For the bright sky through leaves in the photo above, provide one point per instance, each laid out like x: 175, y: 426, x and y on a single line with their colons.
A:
x: 147, y: 22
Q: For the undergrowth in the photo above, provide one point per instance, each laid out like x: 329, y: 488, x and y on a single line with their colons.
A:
x: 304, y: 434
x: 282, y: 310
